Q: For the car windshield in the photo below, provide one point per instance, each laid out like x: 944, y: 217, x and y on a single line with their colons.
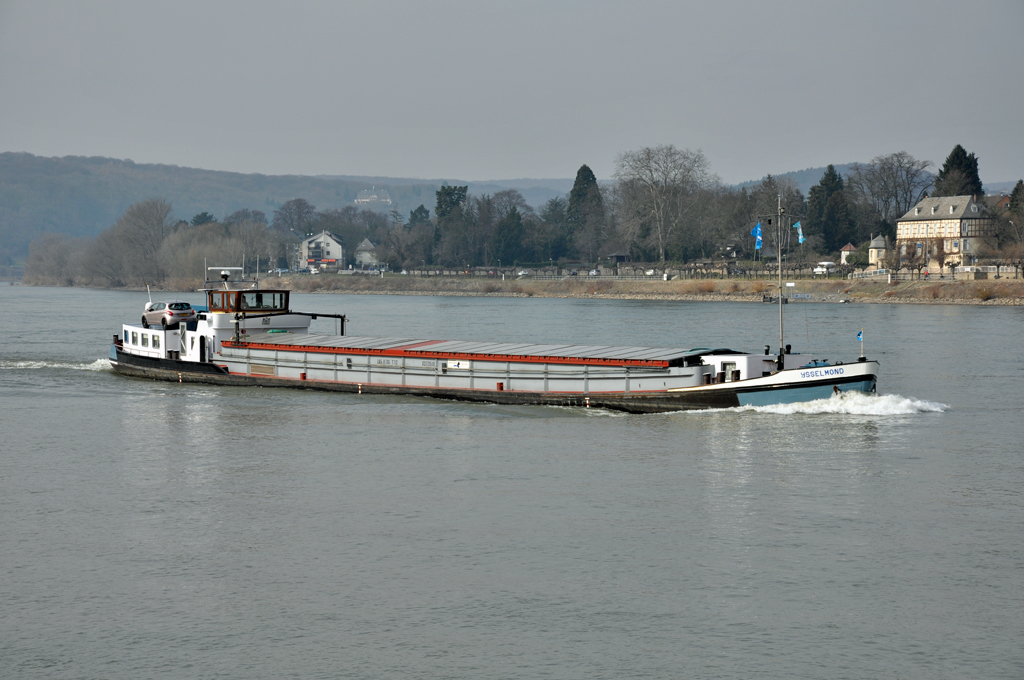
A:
x: 180, y: 305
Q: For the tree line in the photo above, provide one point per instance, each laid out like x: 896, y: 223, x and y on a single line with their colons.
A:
x: 663, y: 204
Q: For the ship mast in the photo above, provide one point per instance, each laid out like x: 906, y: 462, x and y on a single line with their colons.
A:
x: 778, y: 255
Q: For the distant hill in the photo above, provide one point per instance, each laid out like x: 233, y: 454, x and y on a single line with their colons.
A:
x: 804, y: 179
x: 81, y: 196
x: 537, y: 192
x: 807, y: 178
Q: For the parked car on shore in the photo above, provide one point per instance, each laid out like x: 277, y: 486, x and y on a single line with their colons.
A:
x: 825, y: 268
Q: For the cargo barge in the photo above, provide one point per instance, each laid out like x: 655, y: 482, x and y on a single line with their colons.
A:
x: 247, y: 336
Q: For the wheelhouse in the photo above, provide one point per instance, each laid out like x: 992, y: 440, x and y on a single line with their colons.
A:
x: 248, y: 301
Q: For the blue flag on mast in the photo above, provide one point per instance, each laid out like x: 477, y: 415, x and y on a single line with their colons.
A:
x: 756, y: 231
x: 799, y: 232
x: 860, y: 336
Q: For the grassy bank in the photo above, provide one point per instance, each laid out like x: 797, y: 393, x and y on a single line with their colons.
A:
x: 993, y: 292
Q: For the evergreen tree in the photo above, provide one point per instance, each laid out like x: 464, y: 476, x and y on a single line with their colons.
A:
x: 959, y: 175
x: 203, y: 218
x: 585, y: 210
x: 1017, y: 199
x: 418, y: 217
x: 508, y: 237
x: 449, y: 198
x: 828, y: 213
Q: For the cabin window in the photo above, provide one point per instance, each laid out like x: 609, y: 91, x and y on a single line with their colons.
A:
x: 265, y: 301
x: 126, y: 336
x: 222, y: 302
x: 135, y: 338
x: 145, y: 340
x: 156, y: 342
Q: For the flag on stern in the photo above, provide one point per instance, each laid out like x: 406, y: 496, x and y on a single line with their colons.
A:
x: 756, y: 231
x: 799, y: 233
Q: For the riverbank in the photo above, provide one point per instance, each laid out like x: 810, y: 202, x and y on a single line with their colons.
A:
x: 992, y: 292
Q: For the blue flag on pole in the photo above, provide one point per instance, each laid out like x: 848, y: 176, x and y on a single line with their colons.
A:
x: 860, y: 336
x: 799, y: 232
x: 756, y: 231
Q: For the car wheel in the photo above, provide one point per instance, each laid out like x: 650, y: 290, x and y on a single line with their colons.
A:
x: 163, y: 323
x: 145, y: 323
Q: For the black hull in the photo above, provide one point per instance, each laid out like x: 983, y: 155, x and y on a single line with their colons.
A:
x: 211, y: 374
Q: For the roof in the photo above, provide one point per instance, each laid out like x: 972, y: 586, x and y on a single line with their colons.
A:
x: 335, y: 237
x: 848, y: 248
x: 879, y: 243
x: 945, y: 208
x: 476, y: 350
x: 365, y: 245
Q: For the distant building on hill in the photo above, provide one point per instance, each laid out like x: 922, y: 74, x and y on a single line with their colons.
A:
x: 373, y: 199
x: 946, y: 228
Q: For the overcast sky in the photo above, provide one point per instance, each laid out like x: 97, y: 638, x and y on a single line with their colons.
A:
x: 501, y: 90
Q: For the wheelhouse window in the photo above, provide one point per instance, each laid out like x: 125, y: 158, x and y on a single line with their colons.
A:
x: 223, y: 301
x: 264, y: 301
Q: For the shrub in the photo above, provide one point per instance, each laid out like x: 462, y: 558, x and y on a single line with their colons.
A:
x: 984, y: 292
x: 758, y: 287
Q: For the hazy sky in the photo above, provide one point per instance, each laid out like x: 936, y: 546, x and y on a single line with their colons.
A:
x: 488, y: 90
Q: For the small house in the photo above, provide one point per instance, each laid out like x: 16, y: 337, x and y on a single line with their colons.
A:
x: 322, y: 251
x: 878, y: 250
x: 845, y: 252
x: 366, y: 255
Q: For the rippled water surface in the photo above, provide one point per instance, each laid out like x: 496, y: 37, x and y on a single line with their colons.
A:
x: 163, y: 530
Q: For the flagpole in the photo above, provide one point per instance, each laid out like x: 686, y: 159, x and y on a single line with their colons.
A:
x: 861, y: 343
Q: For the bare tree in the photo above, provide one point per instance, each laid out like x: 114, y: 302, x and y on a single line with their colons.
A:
x: 52, y: 261
x: 126, y: 253
x: 255, y: 240
x: 659, y: 187
x: 294, y: 215
x: 891, y: 184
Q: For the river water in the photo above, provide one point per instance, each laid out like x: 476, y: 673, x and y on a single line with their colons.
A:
x: 154, y: 530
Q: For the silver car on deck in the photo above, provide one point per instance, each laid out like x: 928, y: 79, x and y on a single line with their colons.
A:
x: 167, y: 314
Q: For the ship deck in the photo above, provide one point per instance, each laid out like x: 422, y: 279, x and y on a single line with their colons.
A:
x: 490, y: 351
